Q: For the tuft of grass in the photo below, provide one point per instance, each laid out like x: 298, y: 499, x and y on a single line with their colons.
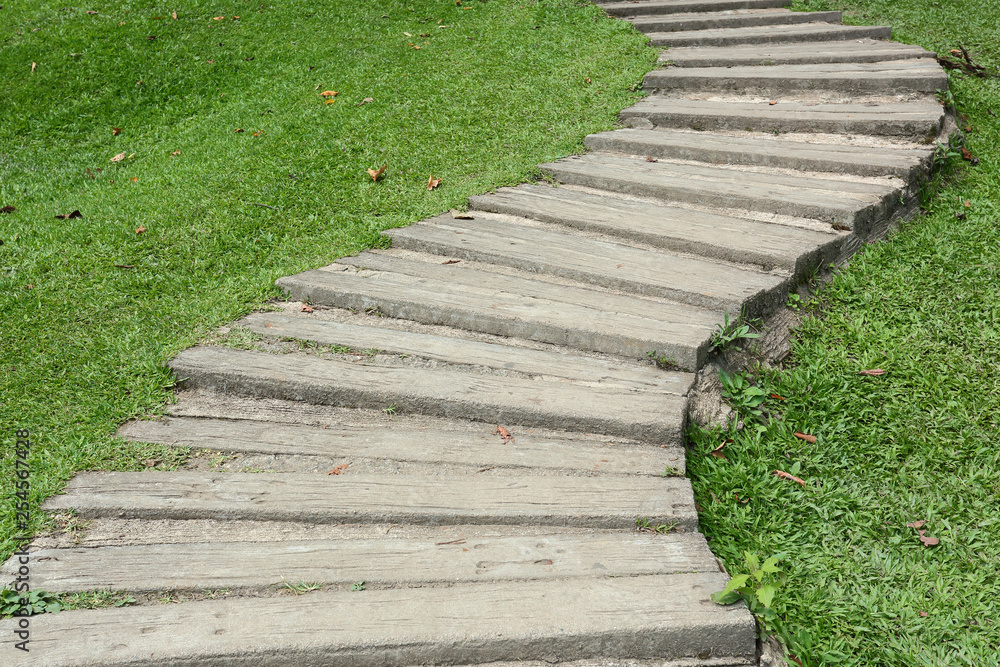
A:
x: 171, y: 245
x: 915, y: 444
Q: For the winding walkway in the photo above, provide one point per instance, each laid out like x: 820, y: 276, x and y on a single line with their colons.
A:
x: 469, y: 423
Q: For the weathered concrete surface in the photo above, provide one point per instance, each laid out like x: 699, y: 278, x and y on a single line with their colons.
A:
x: 509, y: 305
x: 683, y: 279
x: 899, y: 76
x: 493, y: 399
x: 728, y: 20
x: 850, y: 204
x: 908, y: 164
x: 804, y: 32
x: 382, y: 563
x: 653, y: 7
x: 595, y: 502
x: 672, y: 227
x: 834, y: 51
x: 478, y: 448
x: 920, y: 120
x: 564, y: 364
x: 668, y: 616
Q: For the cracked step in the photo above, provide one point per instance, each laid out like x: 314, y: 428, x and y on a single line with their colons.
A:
x: 908, y: 164
x: 476, y: 447
x: 728, y: 20
x: 803, y: 32
x: 667, y: 616
x: 843, y: 51
x: 914, y: 75
x: 657, y: 274
x: 511, y: 305
x: 846, y: 204
x: 680, y: 229
x: 920, y: 121
x: 385, y: 562
x: 653, y: 7
x: 609, y: 410
x: 609, y: 502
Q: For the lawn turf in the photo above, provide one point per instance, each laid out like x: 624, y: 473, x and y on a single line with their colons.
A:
x: 236, y: 171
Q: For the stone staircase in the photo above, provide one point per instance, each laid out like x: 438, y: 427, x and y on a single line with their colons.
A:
x: 469, y: 422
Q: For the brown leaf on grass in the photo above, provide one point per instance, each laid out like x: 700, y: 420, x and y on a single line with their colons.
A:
x: 151, y: 37
x: 329, y: 101
x: 968, y: 157
x: 306, y: 309
x: 805, y: 436
x: 928, y: 541
x: 776, y: 396
x: 339, y: 470
x: 784, y: 475
x: 134, y: 179
x: 238, y: 130
x: 7, y: 209
x: 717, y: 452
x: 33, y: 66
x: 433, y: 182
x: 177, y: 152
x: 376, y: 174
x: 916, y: 524
x: 258, y: 133
x: 461, y: 215
x: 923, y: 614
x: 118, y: 158
x: 504, y: 434
x: 174, y: 16
x: 141, y: 230
x: 873, y: 372
x: 70, y: 216
x: 366, y: 101
x: 115, y: 131
x: 650, y: 158
x: 967, y: 204
x: 124, y: 266
x: 218, y: 18
x: 587, y: 79
x: 91, y: 12
x: 329, y: 93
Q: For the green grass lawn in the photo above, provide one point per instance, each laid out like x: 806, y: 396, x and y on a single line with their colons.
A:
x: 91, y: 307
x: 918, y: 443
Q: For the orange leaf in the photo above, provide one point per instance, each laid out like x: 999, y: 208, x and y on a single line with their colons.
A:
x: 176, y: 153
x: 805, y: 436
x: 339, y: 470
x: 258, y: 133
x: 329, y: 101
x: 967, y: 204
x: 587, y: 79
x: 784, y: 475
x: 329, y: 93
x: 115, y: 131
x: 874, y: 372
x: 140, y: 230
x: 237, y: 130
x: 504, y: 434
x: 134, y: 179
x: 433, y: 182
x: 376, y: 174
x: 780, y: 398
x: 174, y: 15
x: 306, y: 309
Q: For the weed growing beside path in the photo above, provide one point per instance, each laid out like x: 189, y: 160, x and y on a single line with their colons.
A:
x: 918, y: 443
x: 235, y: 171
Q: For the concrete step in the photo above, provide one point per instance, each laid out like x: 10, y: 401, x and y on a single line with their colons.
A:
x: 611, y: 502
x: 908, y: 164
x: 385, y: 562
x: 650, y: 416
x: 557, y: 252
x: 654, y: 7
x: 556, y: 364
x: 803, y: 32
x: 921, y: 120
x: 913, y: 75
x: 513, y: 305
x: 475, y: 448
x: 738, y: 18
x: 671, y: 227
x: 848, y: 204
x: 666, y: 616
x: 844, y: 51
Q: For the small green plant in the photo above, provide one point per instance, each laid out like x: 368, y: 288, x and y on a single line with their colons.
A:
x: 301, y: 587
x: 794, y: 301
x: 757, y: 589
x: 96, y: 600
x: 729, y: 332
x: 391, y: 411
x: 28, y: 603
x: 661, y: 361
x: 742, y: 396
x: 671, y: 471
x: 644, y: 525
x: 946, y: 98
x: 358, y: 586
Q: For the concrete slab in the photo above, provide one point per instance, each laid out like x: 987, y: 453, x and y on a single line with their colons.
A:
x: 667, y: 616
x: 476, y: 447
x: 804, y: 32
x: 381, y: 563
x: 593, y: 502
x: 690, y: 280
x: 653, y: 7
x: 835, y: 51
x: 738, y: 18
x: 655, y: 417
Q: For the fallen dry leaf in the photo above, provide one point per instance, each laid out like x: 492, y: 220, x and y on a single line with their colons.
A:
x: 70, y: 216
x: 966, y: 155
x: 504, y: 434
x: 306, y: 309
x: 339, y: 470
x: 717, y: 452
x: 377, y: 174
x: 33, y: 65
x: 258, y: 133
x: 452, y: 261
x: 408, y: 34
x: 124, y: 266
x: 7, y: 209
x: 329, y: 101
x: 329, y: 93
x: 151, y: 37
x: 134, y: 179
x: 176, y: 153
x: 218, y: 18
x: 366, y: 101
x: 587, y: 79
x: 461, y: 215
x: 967, y: 204
x: 174, y: 16
x: 237, y: 130
x: 923, y: 614
x: 115, y: 131
x: 805, y: 436
x: 772, y: 102
x: 776, y: 396
x: 650, y: 158
x: 928, y: 541
x: 784, y: 475
x: 916, y: 524
x: 140, y: 230
x: 874, y: 372
x: 118, y: 158
x: 433, y: 182
x: 91, y: 12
